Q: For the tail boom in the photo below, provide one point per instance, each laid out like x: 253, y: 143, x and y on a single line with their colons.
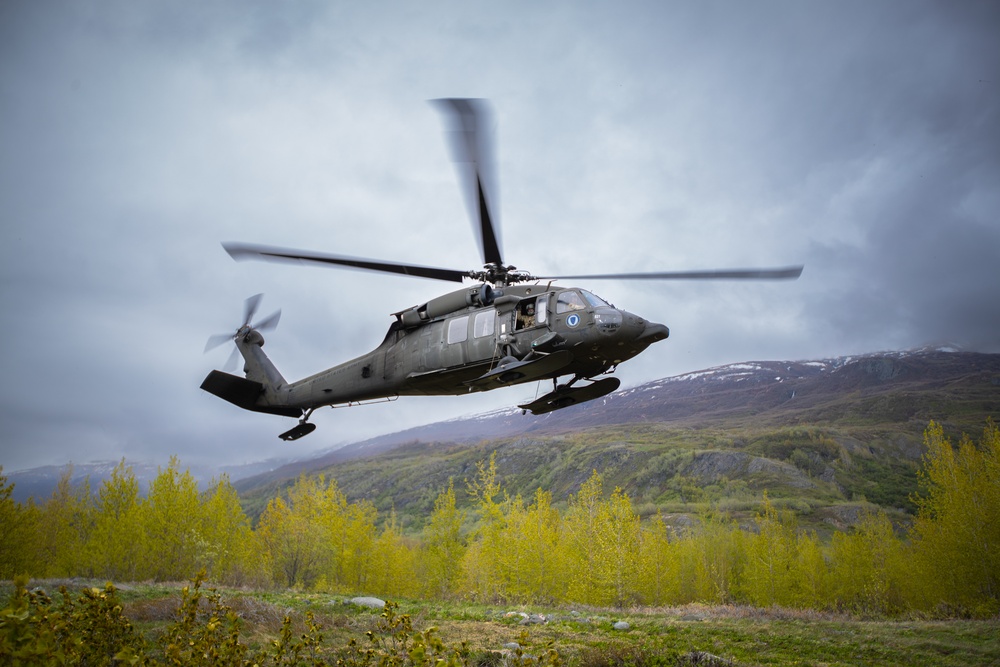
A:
x: 244, y: 393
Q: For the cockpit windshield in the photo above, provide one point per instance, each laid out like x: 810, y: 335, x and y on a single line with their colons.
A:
x: 569, y: 300
x: 594, y: 300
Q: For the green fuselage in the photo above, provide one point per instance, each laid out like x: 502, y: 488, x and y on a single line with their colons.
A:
x: 444, y: 355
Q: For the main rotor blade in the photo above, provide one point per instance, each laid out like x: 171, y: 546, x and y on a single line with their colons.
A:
x: 468, y: 122
x: 790, y: 272
x: 244, y: 251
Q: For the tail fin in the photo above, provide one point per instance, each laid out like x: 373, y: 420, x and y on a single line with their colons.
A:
x: 243, y: 393
x: 258, y: 366
x: 261, y: 389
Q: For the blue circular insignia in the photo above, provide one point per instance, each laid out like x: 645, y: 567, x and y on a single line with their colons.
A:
x: 573, y: 320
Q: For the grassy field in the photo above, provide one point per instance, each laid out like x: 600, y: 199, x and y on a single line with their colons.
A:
x: 689, y: 635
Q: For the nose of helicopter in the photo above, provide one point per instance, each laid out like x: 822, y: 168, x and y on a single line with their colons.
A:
x: 634, y: 336
x: 652, y: 332
x: 639, y: 330
x: 631, y: 330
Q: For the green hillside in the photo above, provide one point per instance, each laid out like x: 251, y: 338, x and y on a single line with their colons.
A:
x: 823, y: 441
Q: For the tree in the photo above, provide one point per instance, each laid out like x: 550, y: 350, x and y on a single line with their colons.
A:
x: 528, y: 562
x: 543, y: 572
x: 65, y: 521
x: 354, y: 539
x: 618, y: 539
x: 18, y: 526
x: 443, y: 546
x: 171, y: 521
x: 116, y: 545
x: 659, y: 580
x: 812, y: 573
x: 866, y: 566
x: 317, y: 539
x: 291, y: 534
x: 768, y: 574
x: 227, y: 548
x: 956, y: 536
x: 482, y: 575
x: 712, y: 560
x: 583, y: 526
x: 393, y: 571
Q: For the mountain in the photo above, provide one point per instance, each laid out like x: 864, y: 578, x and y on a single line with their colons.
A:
x: 827, y: 432
x: 834, y: 428
x: 39, y: 483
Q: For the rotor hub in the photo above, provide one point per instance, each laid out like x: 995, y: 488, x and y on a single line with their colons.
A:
x: 499, y: 275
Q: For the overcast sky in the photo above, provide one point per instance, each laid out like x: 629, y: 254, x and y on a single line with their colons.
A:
x: 861, y: 139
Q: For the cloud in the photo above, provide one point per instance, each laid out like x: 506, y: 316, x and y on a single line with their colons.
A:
x: 859, y: 139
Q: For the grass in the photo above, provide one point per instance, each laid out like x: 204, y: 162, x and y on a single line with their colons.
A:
x: 688, y: 635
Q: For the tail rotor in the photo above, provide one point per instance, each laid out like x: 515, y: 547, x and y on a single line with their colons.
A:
x: 250, y: 307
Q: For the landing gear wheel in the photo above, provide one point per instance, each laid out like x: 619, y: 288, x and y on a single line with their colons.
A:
x: 301, y: 430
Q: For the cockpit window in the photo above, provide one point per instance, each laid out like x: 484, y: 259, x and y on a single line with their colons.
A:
x: 594, y: 300
x: 567, y: 301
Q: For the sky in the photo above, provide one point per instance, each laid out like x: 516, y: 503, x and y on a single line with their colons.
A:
x: 860, y: 139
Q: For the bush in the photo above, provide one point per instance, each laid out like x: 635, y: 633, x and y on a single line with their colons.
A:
x: 91, y: 630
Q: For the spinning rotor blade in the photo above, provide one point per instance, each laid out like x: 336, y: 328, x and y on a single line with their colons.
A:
x: 469, y: 124
x: 217, y: 340
x: 790, y: 272
x: 244, y: 251
x: 250, y: 307
x: 269, y: 322
x: 233, y: 361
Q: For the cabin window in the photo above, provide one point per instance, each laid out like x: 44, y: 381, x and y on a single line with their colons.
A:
x: 483, y: 326
x: 458, y: 329
x: 541, y: 309
x: 567, y: 301
x: 525, y: 315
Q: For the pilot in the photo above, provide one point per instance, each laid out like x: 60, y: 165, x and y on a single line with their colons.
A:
x: 527, y: 318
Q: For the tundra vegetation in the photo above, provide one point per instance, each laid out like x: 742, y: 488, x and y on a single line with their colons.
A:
x: 497, y: 549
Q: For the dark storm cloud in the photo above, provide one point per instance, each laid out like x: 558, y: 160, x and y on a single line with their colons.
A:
x: 923, y: 202
x: 858, y: 138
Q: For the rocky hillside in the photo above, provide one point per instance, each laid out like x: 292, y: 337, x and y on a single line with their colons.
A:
x: 828, y: 431
x: 824, y: 435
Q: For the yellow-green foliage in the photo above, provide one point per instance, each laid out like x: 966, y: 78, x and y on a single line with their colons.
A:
x: 603, y: 555
x: 956, y: 537
x: 783, y: 566
x: 595, y: 551
x: 318, y: 540
x: 604, y: 539
x: 711, y: 559
x: 867, y: 566
x: 659, y: 571
x: 87, y: 630
x: 91, y: 630
x: 18, y: 550
x: 117, y: 546
x: 69, y: 513
x: 482, y: 563
x: 443, y: 546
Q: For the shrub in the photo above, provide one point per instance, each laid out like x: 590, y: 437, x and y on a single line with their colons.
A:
x: 90, y: 630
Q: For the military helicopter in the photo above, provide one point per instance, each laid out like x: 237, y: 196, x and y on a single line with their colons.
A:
x: 507, y: 328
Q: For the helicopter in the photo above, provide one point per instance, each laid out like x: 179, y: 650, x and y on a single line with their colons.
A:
x: 507, y: 328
